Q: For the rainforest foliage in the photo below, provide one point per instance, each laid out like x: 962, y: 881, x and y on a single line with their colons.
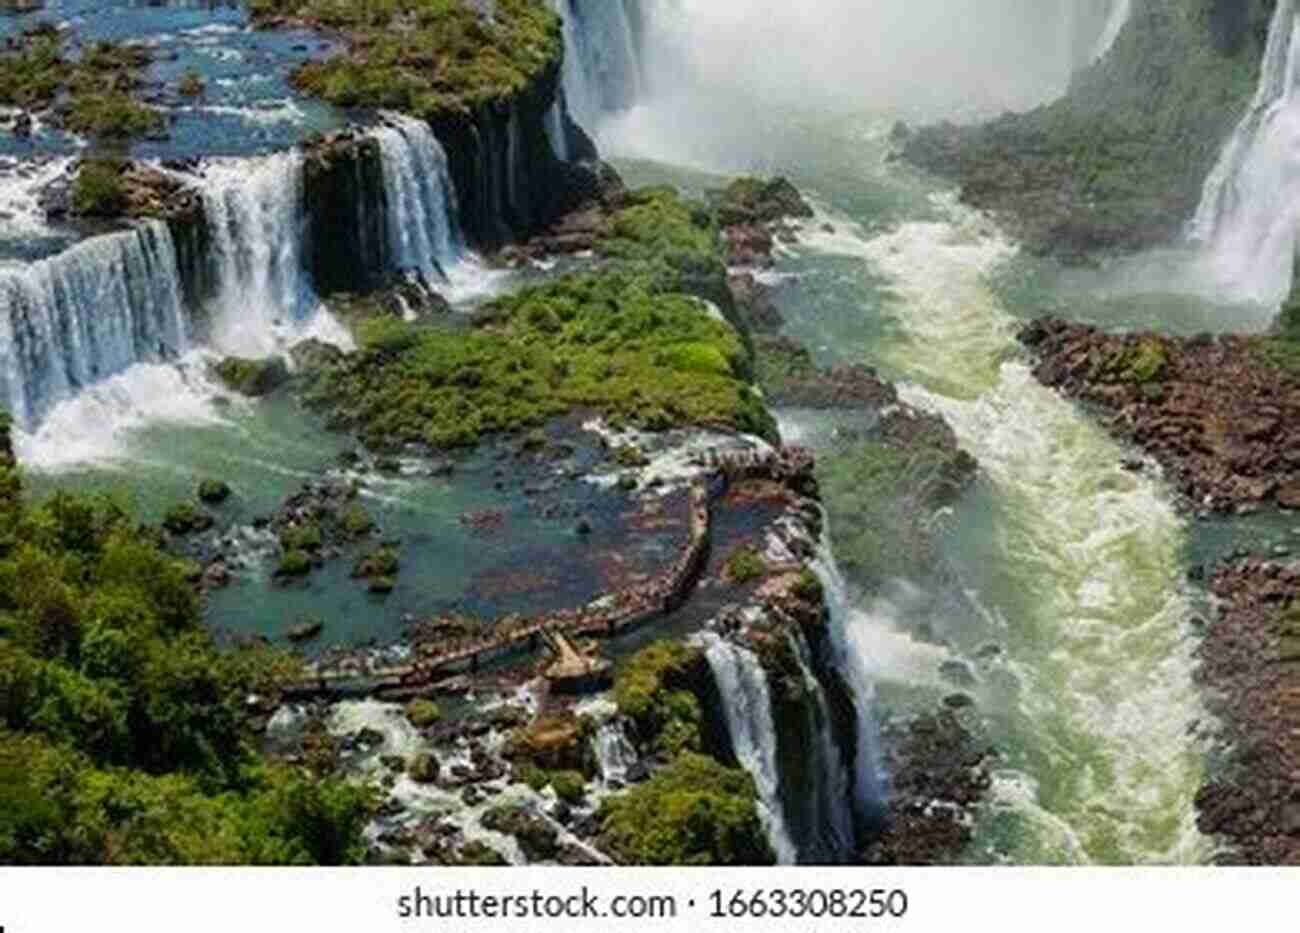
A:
x: 123, y: 736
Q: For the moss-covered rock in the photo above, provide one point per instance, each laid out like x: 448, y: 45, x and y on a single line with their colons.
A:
x: 756, y: 200
x: 538, y: 839
x: 185, y: 518
x: 294, y: 564
x: 252, y: 377
x: 553, y: 743
x: 695, y: 811
x: 213, y: 491
x: 423, y: 768
x: 423, y: 713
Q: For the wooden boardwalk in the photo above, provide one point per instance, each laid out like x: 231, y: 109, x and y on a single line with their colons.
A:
x: 605, y: 617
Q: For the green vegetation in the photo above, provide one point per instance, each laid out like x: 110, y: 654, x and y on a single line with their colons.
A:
x: 745, y: 564
x: 1119, y: 162
x: 213, y: 491
x: 758, y: 200
x: 428, y: 58
x: 570, y: 786
x: 356, y: 522
x: 294, y: 563
x: 91, y: 95
x: 380, y: 563
x: 122, y: 729
x: 185, y: 518
x: 694, y: 811
x: 97, y: 190
x: 809, y: 587
x: 423, y: 713
x: 608, y: 341
x: 304, y: 537
x: 879, y: 498
x: 1140, y: 361
x: 252, y: 377
x: 655, y: 688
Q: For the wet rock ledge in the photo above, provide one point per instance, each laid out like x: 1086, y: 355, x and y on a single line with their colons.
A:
x: 1221, y: 414
x: 1250, y: 660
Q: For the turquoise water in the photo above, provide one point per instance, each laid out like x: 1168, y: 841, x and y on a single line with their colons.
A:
x: 247, y: 106
x: 1072, y: 567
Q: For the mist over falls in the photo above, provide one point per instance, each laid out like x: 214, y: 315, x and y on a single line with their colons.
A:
x: 695, y: 68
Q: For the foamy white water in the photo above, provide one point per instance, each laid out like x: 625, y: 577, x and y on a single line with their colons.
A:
x: 1094, y: 613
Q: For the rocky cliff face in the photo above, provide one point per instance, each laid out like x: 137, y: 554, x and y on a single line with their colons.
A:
x: 1117, y: 164
x: 343, y: 186
x: 509, y: 181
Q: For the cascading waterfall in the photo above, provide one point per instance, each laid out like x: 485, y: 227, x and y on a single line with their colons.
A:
x: 848, y: 656
x: 830, y: 800
x: 255, y: 217
x: 424, y: 237
x: 1089, y: 28
x: 602, y: 68
x: 1120, y: 13
x: 1250, y: 207
x: 614, y: 752
x: 86, y: 314
x: 742, y: 683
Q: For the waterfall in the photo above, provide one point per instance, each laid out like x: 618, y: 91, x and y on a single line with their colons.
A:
x: 849, y: 658
x: 602, y: 69
x: 614, y: 753
x: 256, y: 220
x: 87, y: 314
x: 555, y: 133
x: 1089, y: 28
x: 1120, y: 13
x: 742, y: 683
x: 830, y: 801
x: 1250, y: 205
x: 423, y: 233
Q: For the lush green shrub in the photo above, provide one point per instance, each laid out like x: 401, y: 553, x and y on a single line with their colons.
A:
x: 655, y: 688
x: 294, y: 564
x: 694, y: 811
x: 185, y: 518
x: 745, y: 564
x: 97, y: 190
x: 122, y: 729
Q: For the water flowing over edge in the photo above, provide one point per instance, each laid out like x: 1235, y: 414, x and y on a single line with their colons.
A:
x: 742, y: 683
x: 1247, y: 217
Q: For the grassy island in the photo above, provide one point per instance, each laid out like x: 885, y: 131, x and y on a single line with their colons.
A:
x: 423, y: 57
x: 92, y: 94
